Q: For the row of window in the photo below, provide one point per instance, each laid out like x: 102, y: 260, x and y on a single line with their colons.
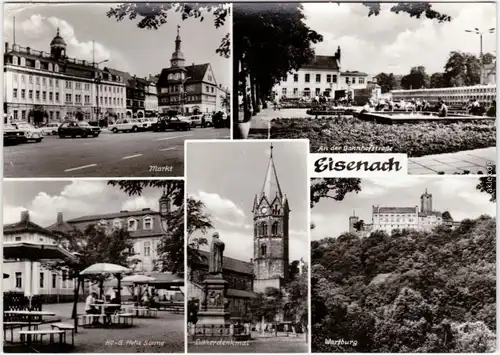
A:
x: 51, y: 115
x: 330, y: 78
x: 54, y: 97
x: 147, y: 248
x: 130, y: 103
x: 132, y: 223
x: 64, y: 284
x: 68, y: 84
x: 262, y: 229
x: 395, y: 215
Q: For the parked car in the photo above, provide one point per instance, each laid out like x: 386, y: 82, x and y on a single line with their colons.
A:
x: 126, y: 125
x: 146, y: 122
x: 208, y: 119
x: 175, y: 123
x: 195, y: 120
x: 12, y: 135
x: 50, y: 128
x: 77, y: 128
x: 31, y: 133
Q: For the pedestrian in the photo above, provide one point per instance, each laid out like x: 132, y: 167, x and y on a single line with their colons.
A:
x: 443, y: 109
x: 90, y: 308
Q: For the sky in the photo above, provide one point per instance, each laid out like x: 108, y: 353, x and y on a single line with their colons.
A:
x: 455, y: 194
x: 139, y: 51
x: 76, y: 198
x: 227, y: 176
x: 393, y: 43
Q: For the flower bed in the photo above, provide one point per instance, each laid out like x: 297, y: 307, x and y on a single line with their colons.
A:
x: 349, y: 135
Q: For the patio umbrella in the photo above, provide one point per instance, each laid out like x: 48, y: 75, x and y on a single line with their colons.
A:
x: 105, y: 268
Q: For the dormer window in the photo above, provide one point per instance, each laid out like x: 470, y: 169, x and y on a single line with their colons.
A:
x: 15, y: 60
x: 132, y: 225
x: 23, y: 61
x: 56, y: 68
x: 51, y: 67
x: 147, y: 223
x: 37, y: 64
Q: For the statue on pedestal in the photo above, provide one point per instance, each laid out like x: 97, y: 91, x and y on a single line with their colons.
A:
x: 216, y: 255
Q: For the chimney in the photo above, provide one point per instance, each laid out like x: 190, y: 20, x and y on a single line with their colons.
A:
x: 60, y: 219
x: 84, y: 62
x: 25, y: 216
x: 28, y: 50
x: 6, y: 47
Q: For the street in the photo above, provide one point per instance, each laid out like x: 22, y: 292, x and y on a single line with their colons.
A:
x: 143, y: 154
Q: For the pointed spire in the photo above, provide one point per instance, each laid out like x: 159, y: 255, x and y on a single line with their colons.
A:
x: 271, y: 187
x: 57, y: 31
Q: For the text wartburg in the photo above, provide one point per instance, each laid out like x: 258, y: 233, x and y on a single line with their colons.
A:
x: 324, y: 163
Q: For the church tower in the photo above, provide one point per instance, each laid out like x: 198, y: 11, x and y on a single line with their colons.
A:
x: 271, y: 239
x: 177, y: 59
x: 58, y: 47
x: 426, y: 202
x: 352, y: 223
x: 165, y: 205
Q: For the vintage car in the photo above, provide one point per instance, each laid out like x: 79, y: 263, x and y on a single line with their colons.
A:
x: 50, y: 128
x: 175, y: 123
x: 12, y: 135
x: 77, y: 128
x: 32, y: 134
x: 127, y: 125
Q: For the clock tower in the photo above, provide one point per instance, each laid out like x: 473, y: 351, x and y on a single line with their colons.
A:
x: 177, y: 59
x: 271, y: 239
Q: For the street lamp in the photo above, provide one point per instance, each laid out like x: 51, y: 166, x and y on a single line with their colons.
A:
x: 97, y: 81
x: 183, y: 93
x: 480, y: 33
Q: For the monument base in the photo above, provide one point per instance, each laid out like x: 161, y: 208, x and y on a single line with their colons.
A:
x: 215, y: 317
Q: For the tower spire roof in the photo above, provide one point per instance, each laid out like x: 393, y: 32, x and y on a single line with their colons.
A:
x: 271, y: 187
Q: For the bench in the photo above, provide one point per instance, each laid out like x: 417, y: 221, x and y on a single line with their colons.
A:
x: 12, y: 325
x: 28, y: 335
x: 64, y: 327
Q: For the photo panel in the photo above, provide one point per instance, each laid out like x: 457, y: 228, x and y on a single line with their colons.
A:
x: 93, y: 266
x: 115, y: 99
x: 247, y: 246
x: 417, y: 79
x: 403, y: 265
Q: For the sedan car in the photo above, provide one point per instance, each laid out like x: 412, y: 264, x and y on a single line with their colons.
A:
x: 50, y: 128
x: 12, y: 135
x: 195, y: 120
x: 77, y: 128
x: 31, y: 133
x: 126, y: 125
x: 174, y: 123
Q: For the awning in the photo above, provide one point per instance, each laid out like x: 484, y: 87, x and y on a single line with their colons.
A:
x: 35, y: 252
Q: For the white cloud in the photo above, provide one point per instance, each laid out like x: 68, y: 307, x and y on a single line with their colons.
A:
x: 140, y: 202
x: 329, y: 226
x: 219, y: 206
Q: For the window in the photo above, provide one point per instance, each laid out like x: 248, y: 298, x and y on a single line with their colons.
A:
x: 263, y: 250
x: 308, y: 78
x: 78, y: 98
x: 307, y: 92
x: 37, y: 64
x: 37, y: 95
x: 51, y: 67
x: 44, y: 81
x: 105, y: 100
x: 14, y: 60
x: 23, y: 115
x: 334, y: 78
x: 37, y: 80
x: 51, y: 114
x: 51, y: 96
x: 207, y: 89
x: 30, y: 79
x: 23, y: 94
x: 263, y: 229
x: 275, y: 228
x: 23, y: 61
x: 42, y: 280
x: 22, y: 79
x: 57, y: 97
x: 30, y: 94
x: 44, y: 95
x: 328, y: 78
x: 354, y: 80
x: 148, y: 223
x: 87, y: 99
x: 147, y: 248
x: 54, y: 280
x: 295, y: 91
x: 317, y: 91
x: 318, y: 78
x: 361, y: 80
x: 18, y: 239
x: 57, y: 112
x: 19, y: 280
x: 56, y: 68
x: 14, y: 93
x: 132, y: 225
x: 78, y: 86
x: 15, y: 115
x: 295, y: 78
x: 68, y: 84
x: 283, y: 91
x: 14, y: 76
x: 347, y: 80
x: 64, y: 278
x: 68, y: 97
x: 57, y: 82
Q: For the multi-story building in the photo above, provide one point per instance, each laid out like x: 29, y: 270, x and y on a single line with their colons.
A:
x: 388, y: 219
x: 151, y: 101
x: 41, y: 87
x: 321, y: 76
x: 454, y: 95
x: 223, y: 99
x: 188, y: 89
x: 31, y: 277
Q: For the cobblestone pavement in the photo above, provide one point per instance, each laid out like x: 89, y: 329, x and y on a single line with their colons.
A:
x: 164, y: 334
x: 474, y: 161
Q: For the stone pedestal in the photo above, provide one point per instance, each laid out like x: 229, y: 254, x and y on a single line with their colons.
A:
x: 213, y: 308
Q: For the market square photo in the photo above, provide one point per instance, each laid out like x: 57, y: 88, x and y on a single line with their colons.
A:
x: 93, y: 266
x: 247, y: 246
x: 414, y: 78
x: 115, y: 99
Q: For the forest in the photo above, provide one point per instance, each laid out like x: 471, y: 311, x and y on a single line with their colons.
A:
x: 406, y: 292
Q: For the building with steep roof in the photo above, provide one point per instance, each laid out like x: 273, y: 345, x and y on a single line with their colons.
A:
x: 41, y: 87
x: 388, y: 219
x: 187, y: 89
x: 323, y: 75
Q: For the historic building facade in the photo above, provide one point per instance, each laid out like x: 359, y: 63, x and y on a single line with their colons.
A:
x: 388, y: 219
x: 40, y: 87
x: 151, y: 101
x: 322, y: 76
x: 188, y: 89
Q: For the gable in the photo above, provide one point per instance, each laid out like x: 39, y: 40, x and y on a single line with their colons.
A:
x: 209, y: 76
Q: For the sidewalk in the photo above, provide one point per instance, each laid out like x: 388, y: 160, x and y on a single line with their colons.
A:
x: 471, y: 161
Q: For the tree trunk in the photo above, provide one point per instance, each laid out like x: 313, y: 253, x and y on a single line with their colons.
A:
x: 258, y: 95
x: 252, y: 95
x: 235, y: 97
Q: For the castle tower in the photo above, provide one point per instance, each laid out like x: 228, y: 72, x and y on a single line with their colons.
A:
x: 58, y: 46
x: 426, y: 202
x: 165, y: 205
x: 352, y: 222
x: 177, y: 59
x: 271, y: 238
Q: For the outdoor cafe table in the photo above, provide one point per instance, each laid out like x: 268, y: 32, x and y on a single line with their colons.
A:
x: 29, y: 315
x: 104, y: 305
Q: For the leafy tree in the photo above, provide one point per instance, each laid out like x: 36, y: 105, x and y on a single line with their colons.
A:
x: 334, y: 188
x: 387, y: 82
x: 297, y: 303
x: 462, y: 69
x: 193, y: 307
x: 417, y: 79
x: 447, y: 216
x: 266, y: 306
x: 414, y: 9
x: 198, y: 221
x: 437, y: 80
x: 488, y: 184
x: 488, y: 58
x: 359, y: 225
x: 173, y: 188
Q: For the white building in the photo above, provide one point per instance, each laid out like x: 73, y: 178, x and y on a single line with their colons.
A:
x: 322, y: 76
x: 151, y: 101
x: 41, y: 87
x: 223, y: 99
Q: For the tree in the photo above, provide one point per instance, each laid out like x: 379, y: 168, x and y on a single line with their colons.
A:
x: 462, y: 69
x: 334, y: 188
x: 153, y: 15
x: 359, y: 225
x: 447, y: 216
x: 297, y: 304
x: 437, y: 80
x: 488, y: 58
x: 172, y: 188
x: 414, y: 9
x: 417, y: 79
x: 198, y: 221
x: 488, y: 184
x: 387, y: 82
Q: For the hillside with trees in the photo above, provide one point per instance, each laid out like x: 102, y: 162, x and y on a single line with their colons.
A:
x: 407, y: 292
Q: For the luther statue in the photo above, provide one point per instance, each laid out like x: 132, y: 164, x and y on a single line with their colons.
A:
x: 216, y: 251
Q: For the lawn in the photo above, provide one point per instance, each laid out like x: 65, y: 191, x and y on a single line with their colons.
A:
x: 351, y: 135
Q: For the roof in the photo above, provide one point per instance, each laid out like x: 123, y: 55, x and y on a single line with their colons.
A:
x: 63, y: 228
x: 34, y: 251
x: 195, y: 73
x: 432, y: 213
x: 377, y: 209
x: 353, y: 73
x: 26, y: 226
x: 231, y: 292
x: 57, y: 40
x: 271, y: 187
x: 230, y: 264
x: 126, y: 76
x: 323, y: 62
x: 122, y: 214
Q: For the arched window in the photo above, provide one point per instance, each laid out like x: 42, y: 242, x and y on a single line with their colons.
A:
x: 263, y: 250
x: 37, y: 64
x: 15, y: 60
x: 56, y: 68
x: 23, y: 61
x: 275, y: 228
x: 51, y: 67
x: 276, y: 209
x: 263, y: 229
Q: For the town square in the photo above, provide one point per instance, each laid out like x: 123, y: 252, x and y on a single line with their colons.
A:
x: 82, y: 101
x: 428, y: 88
x: 89, y: 266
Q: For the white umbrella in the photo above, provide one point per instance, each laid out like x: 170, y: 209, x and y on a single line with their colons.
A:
x: 138, y: 278
x: 105, y: 268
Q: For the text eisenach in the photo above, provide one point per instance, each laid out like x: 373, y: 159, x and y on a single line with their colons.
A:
x: 324, y: 163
